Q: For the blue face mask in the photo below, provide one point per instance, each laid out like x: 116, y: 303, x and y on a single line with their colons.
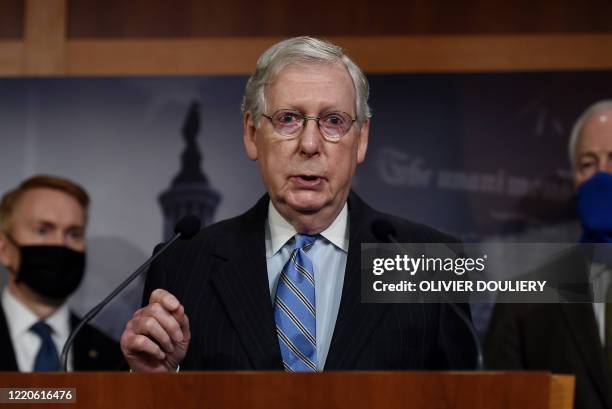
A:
x: 594, y: 205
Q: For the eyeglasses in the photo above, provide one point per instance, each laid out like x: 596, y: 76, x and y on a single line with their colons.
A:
x: 333, y: 125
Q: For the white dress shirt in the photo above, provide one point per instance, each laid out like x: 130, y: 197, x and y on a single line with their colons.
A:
x: 26, y: 343
x: 600, y: 279
x: 328, y: 257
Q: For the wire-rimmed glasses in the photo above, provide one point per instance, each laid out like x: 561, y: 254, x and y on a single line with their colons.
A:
x: 333, y: 125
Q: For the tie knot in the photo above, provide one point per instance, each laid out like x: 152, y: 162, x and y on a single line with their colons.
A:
x: 42, y: 329
x: 304, y: 241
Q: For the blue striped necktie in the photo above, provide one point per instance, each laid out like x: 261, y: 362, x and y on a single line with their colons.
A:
x: 47, y: 358
x: 294, y: 309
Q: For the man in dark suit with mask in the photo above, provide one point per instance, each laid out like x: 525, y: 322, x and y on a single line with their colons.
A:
x: 42, y: 245
x: 279, y: 287
x: 570, y: 338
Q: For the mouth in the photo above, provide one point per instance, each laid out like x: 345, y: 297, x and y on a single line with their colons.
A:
x: 308, y: 181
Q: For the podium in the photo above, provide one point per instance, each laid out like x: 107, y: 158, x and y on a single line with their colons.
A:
x: 269, y: 390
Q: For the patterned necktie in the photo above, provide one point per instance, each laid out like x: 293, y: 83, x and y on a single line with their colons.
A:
x: 294, y: 309
x: 46, y: 359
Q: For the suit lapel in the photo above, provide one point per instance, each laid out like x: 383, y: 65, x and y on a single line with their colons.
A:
x: 242, y: 285
x: 83, y: 355
x: 9, y: 362
x: 581, y: 321
x: 80, y: 359
x: 356, y: 320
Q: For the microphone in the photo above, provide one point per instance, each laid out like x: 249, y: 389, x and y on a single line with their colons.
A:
x: 385, y: 232
x: 185, y: 229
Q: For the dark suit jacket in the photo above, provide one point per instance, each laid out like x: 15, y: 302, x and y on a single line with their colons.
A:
x: 220, y: 276
x: 561, y: 338
x: 92, y: 350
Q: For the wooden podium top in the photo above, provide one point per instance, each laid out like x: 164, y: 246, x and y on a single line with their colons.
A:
x: 268, y: 390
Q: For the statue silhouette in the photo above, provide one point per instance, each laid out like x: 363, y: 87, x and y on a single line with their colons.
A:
x: 190, y: 191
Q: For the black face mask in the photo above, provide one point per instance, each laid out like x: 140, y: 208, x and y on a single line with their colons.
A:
x: 51, y: 271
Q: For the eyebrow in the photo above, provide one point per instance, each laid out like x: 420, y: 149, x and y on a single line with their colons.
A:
x: 54, y: 225
x: 43, y: 222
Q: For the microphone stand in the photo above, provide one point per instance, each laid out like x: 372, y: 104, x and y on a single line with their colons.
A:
x: 95, y: 310
x: 460, y: 314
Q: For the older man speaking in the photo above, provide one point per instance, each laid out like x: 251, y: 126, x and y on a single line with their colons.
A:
x: 278, y: 288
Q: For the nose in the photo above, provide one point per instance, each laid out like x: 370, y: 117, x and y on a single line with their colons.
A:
x: 57, y: 239
x: 605, y: 164
x: 310, y: 138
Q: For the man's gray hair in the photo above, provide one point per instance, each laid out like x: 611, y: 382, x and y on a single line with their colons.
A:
x: 603, y: 105
x: 297, y: 51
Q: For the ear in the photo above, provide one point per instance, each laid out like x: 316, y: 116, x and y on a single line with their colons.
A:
x: 249, y: 135
x: 362, y: 141
x: 5, y: 257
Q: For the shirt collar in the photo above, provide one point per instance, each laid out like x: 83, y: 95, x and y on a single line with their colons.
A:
x: 60, y: 322
x: 20, y: 318
x: 281, y: 231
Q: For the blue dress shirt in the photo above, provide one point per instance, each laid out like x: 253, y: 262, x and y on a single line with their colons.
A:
x: 328, y: 256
